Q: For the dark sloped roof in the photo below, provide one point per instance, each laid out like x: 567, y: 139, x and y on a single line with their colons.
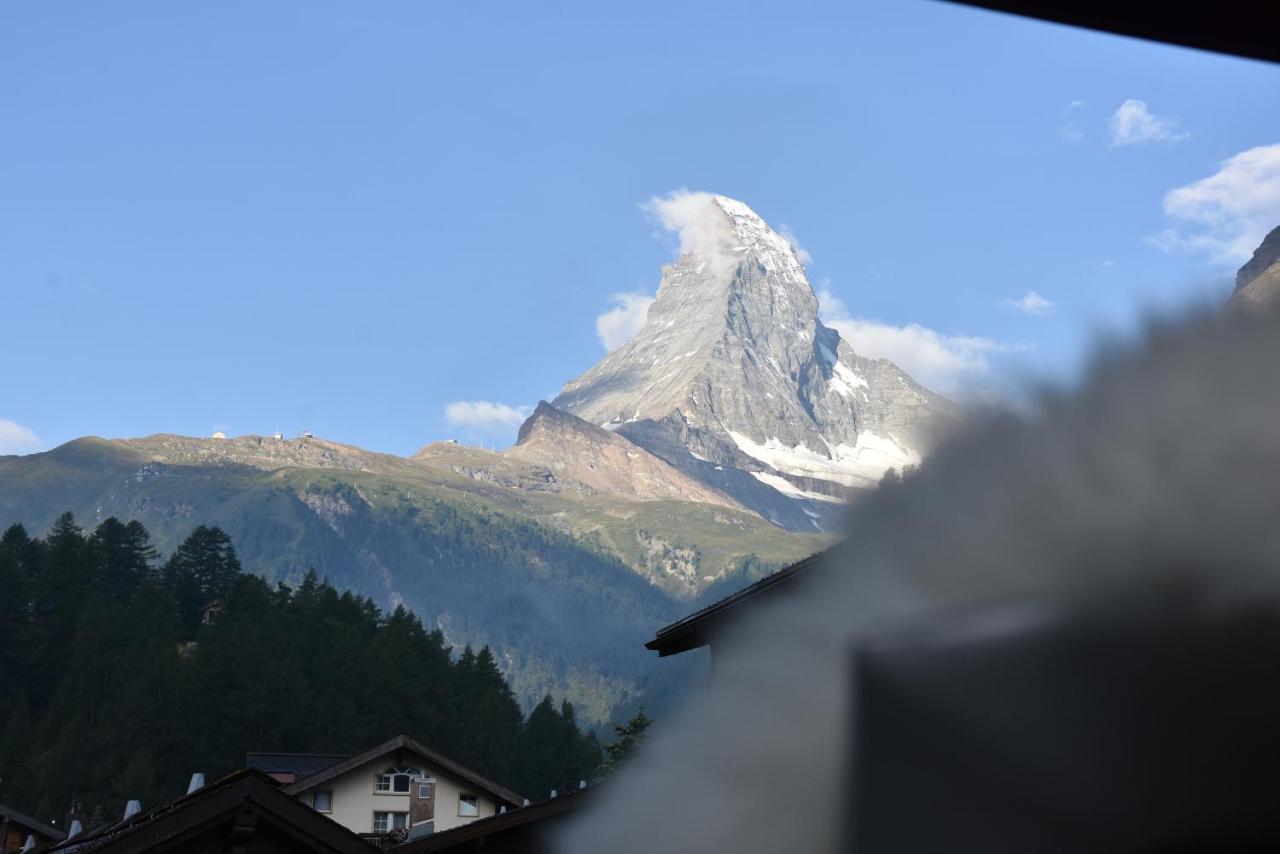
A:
x: 485, y: 832
x: 43, y: 827
x: 1242, y: 27
x: 171, y: 826
x: 697, y: 629
x: 301, y: 764
x: 403, y: 742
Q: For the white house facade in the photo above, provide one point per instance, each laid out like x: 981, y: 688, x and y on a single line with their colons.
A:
x: 398, y: 785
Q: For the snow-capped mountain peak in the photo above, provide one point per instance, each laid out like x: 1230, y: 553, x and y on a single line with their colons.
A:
x: 734, y: 378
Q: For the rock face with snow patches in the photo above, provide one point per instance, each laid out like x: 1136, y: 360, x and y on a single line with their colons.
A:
x: 734, y: 380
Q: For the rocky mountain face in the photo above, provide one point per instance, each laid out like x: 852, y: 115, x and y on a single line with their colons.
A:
x: 1258, y: 281
x: 604, y: 462
x: 735, y: 381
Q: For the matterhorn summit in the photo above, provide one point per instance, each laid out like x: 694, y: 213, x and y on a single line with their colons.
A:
x: 735, y: 381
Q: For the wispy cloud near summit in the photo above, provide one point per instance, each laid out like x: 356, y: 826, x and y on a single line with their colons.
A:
x: 702, y: 227
x: 484, y: 416
x: 1228, y: 213
x: 620, y: 324
x: 952, y: 365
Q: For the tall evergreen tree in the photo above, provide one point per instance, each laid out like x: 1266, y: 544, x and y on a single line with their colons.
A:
x: 202, y: 570
x: 122, y: 557
x: 627, y: 740
x: 15, y: 623
x: 59, y: 589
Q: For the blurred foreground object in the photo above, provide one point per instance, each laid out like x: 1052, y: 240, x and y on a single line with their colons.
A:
x: 1241, y: 27
x: 1143, y: 725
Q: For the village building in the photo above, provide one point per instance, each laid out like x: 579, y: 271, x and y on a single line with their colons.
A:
x: 209, y: 613
x: 400, y: 785
x: 243, y: 813
x: 16, y: 828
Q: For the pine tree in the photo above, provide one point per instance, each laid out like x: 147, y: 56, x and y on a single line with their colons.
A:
x: 582, y: 751
x: 15, y: 623
x: 544, y: 753
x: 122, y: 557
x: 627, y: 740
x: 495, y: 717
x: 202, y: 570
x: 58, y: 591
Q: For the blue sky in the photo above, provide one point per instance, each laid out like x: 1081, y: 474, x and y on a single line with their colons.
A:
x: 343, y: 217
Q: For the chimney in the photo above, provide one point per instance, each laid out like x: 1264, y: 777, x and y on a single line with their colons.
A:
x: 131, y: 809
x: 197, y: 782
x: 75, y: 828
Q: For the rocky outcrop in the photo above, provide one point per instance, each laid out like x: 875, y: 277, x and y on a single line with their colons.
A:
x: 579, y: 451
x: 1258, y: 281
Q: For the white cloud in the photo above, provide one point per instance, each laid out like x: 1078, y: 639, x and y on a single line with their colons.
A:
x: 802, y: 254
x: 17, y: 439
x: 1070, y: 129
x: 1134, y: 124
x: 952, y: 365
x: 1227, y: 214
x: 704, y: 230
x: 1031, y: 303
x: 485, y: 416
x: 619, y: 324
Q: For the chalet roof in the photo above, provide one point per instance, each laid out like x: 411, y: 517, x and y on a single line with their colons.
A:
x: 299, y: 764
x: 34, y: 824
x: 248, y: 798
x: 697, y: 629
x: 404, y: 743
x: 491, y: 833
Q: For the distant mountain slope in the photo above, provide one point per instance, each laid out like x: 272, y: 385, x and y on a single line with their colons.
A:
x: 564, y: 583
x: 735, y: 381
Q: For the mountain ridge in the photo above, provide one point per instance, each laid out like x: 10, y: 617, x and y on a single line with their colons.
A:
x: 483, y: 561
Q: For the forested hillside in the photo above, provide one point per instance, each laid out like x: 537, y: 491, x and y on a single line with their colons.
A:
x: 559, y: 586
x: 114, y: 689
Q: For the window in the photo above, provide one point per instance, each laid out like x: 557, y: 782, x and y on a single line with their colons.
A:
x: 394, y: 781
x: 424, y: 790
x: 322, y: 800
x: 384, y: 822
x: 468, y: 806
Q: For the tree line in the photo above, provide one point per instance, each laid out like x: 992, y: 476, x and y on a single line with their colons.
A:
x: 114, y: 687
